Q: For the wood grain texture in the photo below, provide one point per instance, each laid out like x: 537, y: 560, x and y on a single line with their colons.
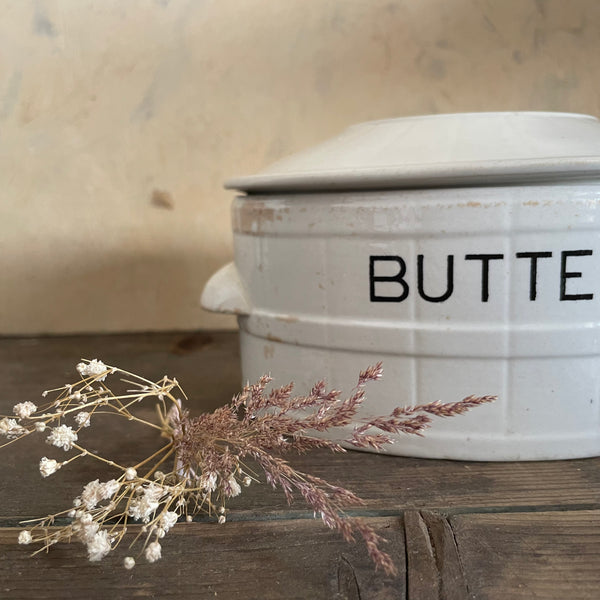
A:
x: 297, y: 559
x: 534, y: 555
x: 455, y: 529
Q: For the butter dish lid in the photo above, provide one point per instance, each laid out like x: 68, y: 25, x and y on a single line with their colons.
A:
x: 463, y: 149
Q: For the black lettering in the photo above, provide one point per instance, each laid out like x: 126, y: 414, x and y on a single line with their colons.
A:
x: 485, y: 271
x: 533, y: 269
x: 449, y: 280
x: 564, y: 275
x: 398, y: 278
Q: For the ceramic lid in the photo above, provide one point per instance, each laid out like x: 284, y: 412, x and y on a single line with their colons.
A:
x: 441, y: 150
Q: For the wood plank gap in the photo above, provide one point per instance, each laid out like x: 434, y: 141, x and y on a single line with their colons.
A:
x: 445, y: 551
x: 470, y: 510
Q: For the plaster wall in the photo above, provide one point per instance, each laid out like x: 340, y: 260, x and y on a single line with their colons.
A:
x: 120, y: 120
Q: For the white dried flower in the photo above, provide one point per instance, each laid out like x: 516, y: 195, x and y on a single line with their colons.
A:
x: 94, y: 492
x: 99, y: 546
x: 152, y: 553
x: 40, y: 426
x: 168, y: 520
x: 23, y: 410
x: 25, y: 537
x: 91, y: 494
x: 189, y: 518
x: 84, y: 527
x: 48, y: 466
x: 62, y: 436
x: 231, y: 487
x: 222, y: 519
x: 247, y: 481
x: 142, y: 507
x: 208, y: 482
x: 93, y: 369
x: 11, y: 429
x: 129, y: 562
x: 130, y: 473
x: 82, y: 419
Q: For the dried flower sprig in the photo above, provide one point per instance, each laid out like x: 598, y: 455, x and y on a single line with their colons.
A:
x: 208, y: 454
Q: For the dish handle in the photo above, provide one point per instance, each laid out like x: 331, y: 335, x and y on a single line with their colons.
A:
x: 225, y: 293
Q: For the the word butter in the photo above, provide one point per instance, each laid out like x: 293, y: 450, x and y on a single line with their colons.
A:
x: 396, y: 288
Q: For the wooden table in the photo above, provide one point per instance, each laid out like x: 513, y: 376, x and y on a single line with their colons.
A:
x: 456, y: 529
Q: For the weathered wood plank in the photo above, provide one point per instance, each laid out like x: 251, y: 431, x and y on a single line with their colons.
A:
x: 423, y: 578
x: 266, y: 550
x: 551, y: 555
x: 262, y: 560
x: 433, y: 564
x: 206, y: 363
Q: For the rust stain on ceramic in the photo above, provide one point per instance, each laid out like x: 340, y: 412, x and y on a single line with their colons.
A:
x: 287, y: 318
x: 252, y: 216
x: 268, y: 351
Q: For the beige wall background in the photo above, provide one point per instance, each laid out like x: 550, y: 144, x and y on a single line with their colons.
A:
x: 120, y: 120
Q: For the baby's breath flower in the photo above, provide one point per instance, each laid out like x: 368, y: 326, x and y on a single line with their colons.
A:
x: 222, y: 519
x: 82, y: 419
x: 231, y: 487
x: 62, y: 436
x: 94, y: 492
x: 40, y: 426
x: 25, y: 537
x: 93, y: 369
x: 48, y: 466
x: 142, y: 507
x: 130, y: 473
x: 152, y: 553
x: 98, y: 546
x: 91, y: 494
x: 84, y: 527
x: 168, y: 520
x: 11, y: 429
x: 247, y: 481
x: 208, y: 482
x: 23, y: 410
x: 129, y: 562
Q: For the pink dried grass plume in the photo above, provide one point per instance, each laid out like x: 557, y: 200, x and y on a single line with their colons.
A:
x: 264, y: 425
